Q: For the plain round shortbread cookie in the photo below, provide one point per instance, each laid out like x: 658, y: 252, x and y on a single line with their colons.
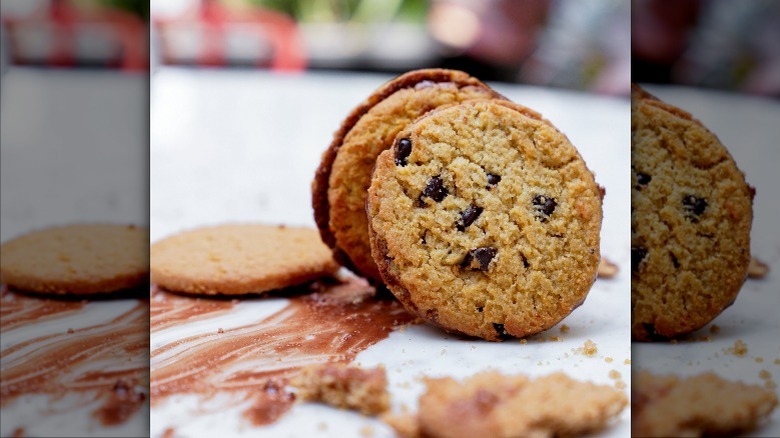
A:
x: 485, y: 220
x: 691, y: 212
x: 77, y: 259
x: 239, y: 259
x: 342, y: 180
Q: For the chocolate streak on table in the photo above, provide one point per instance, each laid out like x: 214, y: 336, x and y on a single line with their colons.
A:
x: 105, y: 361
x: 333, y: 324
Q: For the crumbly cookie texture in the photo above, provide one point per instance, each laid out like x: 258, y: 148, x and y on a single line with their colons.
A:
x: 239, y: 259
x: 485, y: 220
x: 341, y: 182
x: 77, y: 259
x: 344, y: 386
x: 496, y: 405
x: 691, y: 212
x: 702, y: 405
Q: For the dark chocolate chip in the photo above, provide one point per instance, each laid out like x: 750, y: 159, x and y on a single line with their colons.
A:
x: 525, y: 261
x: 499, y: 328
x: 675, y: 262
x: 402, y: 151
x: 493, y: 179
x: 480, y: 309
x: 544, y: 205
x: 694, y: 207
x: 650, y: 329
x: 435, y: 189
x: 468, y: 216
x: 637, y: 255
x: 643, y: 179
x: 479, y: 258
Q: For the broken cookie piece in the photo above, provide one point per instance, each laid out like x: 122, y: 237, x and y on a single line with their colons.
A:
x: 343, y: 386
x: 703, y: 405
x: 496, y: 405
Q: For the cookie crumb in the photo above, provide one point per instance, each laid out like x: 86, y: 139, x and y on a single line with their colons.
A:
x: 714, y: 329
x: 367, y: 431
x: 608, y: 359
x: 322, y: 426
x: 739, y: 348
x: 764, y: 374
x: 620, y: 384
x: 554, y: 338
x: 607, y: 269
x: 759, y: 360
x: 615, y: 374
x: 565, y: 328
x: 627, y: 362
x: 343, y: 386
x: 757, y: 269
x: 523, y: 341
x: 589, y: 348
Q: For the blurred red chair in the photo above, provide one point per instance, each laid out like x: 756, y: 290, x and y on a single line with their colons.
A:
x: 62, y: 22
x: 214, y: 20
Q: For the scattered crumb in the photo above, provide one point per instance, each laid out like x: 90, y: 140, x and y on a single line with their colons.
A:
x: 523, y: 341
x: 620, y: 384
x: 607, y: 269
x: 220, y: 330
x: 555, y: 338
x: 363, y: 390
x: 714, y: 329
x: 757, y: 268
x: 493, y: 404
x: 167, y: 433
x: 739, y: 348
x: 759, y: 360
x: 673, y: 341
x: 764, y: 374
x: 608, y: 359
x: 589, y: 348
x: 322, y: 426
x: 367, y: 431
x: 565, y: 328
x: 615, y: 374
x: 627, y: 362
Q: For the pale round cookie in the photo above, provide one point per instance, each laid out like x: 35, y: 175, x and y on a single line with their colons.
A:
x: 485, y: 220
x: 77, y: 259
x: 340, y: 186
x: 239, y: 259
x: 691, y: 212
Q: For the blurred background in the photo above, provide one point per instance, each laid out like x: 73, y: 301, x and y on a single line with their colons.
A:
x: 580, y: 44
x: 719, y: 44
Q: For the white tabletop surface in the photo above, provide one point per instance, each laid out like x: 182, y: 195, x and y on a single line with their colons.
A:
x: 242, y: 146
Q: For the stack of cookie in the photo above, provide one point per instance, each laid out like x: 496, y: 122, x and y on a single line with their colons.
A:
x: 475, y: 212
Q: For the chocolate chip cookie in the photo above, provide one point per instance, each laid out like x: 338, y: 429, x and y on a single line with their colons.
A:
x: 343, y: 177
x: 485, y: 220
x: 691, y: 212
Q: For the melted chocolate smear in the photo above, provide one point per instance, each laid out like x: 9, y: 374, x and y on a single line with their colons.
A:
x: 103, y: 361
x: 333, y: 324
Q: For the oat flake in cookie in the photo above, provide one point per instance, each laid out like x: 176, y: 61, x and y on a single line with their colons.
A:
x: 490, y: 226
x: 691, y: 212
x: 342, y: 179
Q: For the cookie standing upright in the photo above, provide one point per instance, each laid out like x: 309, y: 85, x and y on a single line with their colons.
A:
x: 485, y: 220
x: 77, y: 259
x: 342, y: 179
x: 235, y: 259
x: 691, y: 213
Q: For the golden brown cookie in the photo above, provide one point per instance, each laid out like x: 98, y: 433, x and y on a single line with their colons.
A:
x: 703, y: 405
x: 77, y: 259
x: 342, y: 179
x: 239, y: 259
x: 691, y: 212
x: 495, y: 405
x: 485, y: 220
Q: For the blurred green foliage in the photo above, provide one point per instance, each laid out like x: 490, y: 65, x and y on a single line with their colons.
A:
x: 136, y: 7
x: 360, y: 11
